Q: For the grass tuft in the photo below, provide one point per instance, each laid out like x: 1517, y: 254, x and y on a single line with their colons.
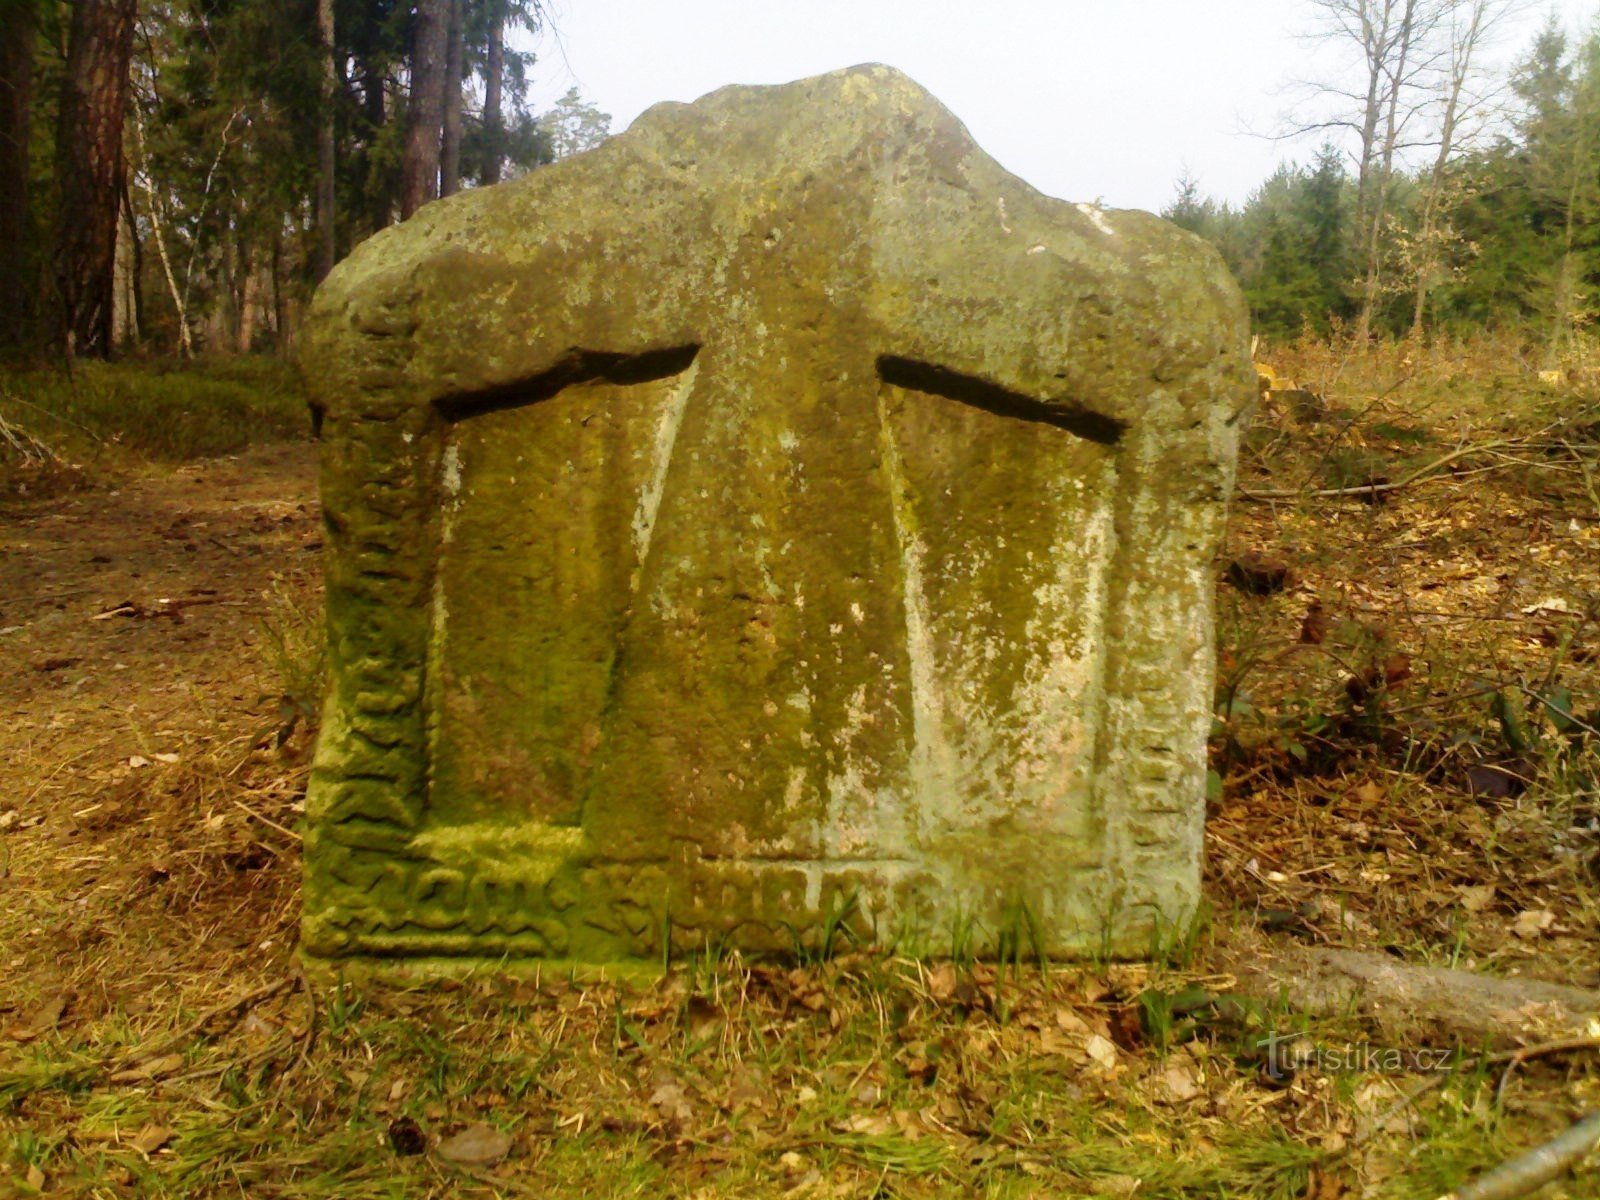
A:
x: 102, y: 417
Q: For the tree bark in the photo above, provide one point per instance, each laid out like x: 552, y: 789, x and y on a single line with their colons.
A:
x: 89, y: 171
x: 327, y: 244
x: 375, y: 114
x: 1462, y: 48
x: 249, y: 296
x: 1400, y: 47
x: 130, y: 230
x: 419, y: 165
x: 450, y: 143
x: 1405, y: 1002
x: 16, y: 122
x: 122, y: 327
x: 280, y: 299
x: 494, y: 77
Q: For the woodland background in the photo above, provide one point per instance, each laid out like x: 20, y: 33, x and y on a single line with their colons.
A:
x: 177, y: 175
x: 1405, y: 755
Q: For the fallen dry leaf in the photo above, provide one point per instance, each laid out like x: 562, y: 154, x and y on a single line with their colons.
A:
x: 871, y: 1124
x: 1102, y: 1051
x: 1531, y: 922
x: 1178, y: 1083
x: 151, y: 1138
x: 1068, y: 1021
x: 478, y: 1145
x: 45, y: 1017
x: 1369, y: 793
x: 942, y: 982
x: 153, y: 1068
x: 670, y: 1100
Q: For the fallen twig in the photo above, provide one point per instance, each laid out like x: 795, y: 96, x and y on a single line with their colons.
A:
x: 267, y: 821
x: 308, y: 1040
x: 1537, y: 1167
x: 1421, y: 474
x: 238, y: 1004
x: 12, y: 398
x: 1509, y: 1057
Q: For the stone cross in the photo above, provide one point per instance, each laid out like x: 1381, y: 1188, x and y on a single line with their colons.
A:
x: 777, y: 521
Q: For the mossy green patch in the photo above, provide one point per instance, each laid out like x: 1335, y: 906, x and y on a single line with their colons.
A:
x: 778, y: 511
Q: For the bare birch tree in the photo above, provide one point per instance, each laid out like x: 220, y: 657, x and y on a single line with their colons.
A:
x: 1470, y: 24
x: 1410, y: 61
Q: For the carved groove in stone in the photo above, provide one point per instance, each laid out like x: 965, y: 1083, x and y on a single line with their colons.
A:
x: 579, y: 366
x: 981, y: 393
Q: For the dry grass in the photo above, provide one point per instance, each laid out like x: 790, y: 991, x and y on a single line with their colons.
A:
x: 144, y: 900
x: 1461, y: 794
x: 63, y: 430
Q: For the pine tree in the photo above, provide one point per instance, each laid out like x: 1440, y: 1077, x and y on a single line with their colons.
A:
x: 17, y: 33
x: 89, y: 171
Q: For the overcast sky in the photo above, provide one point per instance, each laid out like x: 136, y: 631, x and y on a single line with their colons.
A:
x: 1085, y: 99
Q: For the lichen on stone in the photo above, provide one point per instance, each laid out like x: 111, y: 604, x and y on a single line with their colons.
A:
x: 779, y: 512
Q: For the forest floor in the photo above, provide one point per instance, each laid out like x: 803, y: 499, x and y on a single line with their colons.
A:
x: 1405, y: 762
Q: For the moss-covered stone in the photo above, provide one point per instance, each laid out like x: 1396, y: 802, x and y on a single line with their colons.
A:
x: 777, y: 513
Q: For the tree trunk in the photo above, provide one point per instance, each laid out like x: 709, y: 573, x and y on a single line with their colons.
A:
x: 450, y: 143
x: 1368, y: 22
x: 158, y: 235
x: 1462, y: 48
x: 280, y: 299
x: 494, y: 77
x: 16, y: 123
x: 249, y: 296
x: 89, y: 171
x: 419, y: 166
x: 375, y: 184
x: 327, y: 246
x: 1395, y: 79
x: 130, y: 230
x: 122, y: 326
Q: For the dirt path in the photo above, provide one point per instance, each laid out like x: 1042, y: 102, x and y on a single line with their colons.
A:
x: 149, y: 872
x: 182, y: 559
x: 137, y: 626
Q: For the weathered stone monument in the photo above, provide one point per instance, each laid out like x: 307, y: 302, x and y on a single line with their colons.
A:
x: 778, y: 515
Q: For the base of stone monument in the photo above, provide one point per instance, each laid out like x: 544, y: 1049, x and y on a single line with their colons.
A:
x: 404, y: 972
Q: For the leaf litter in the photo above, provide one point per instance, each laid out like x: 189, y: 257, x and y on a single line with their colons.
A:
x: 151, y: 895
